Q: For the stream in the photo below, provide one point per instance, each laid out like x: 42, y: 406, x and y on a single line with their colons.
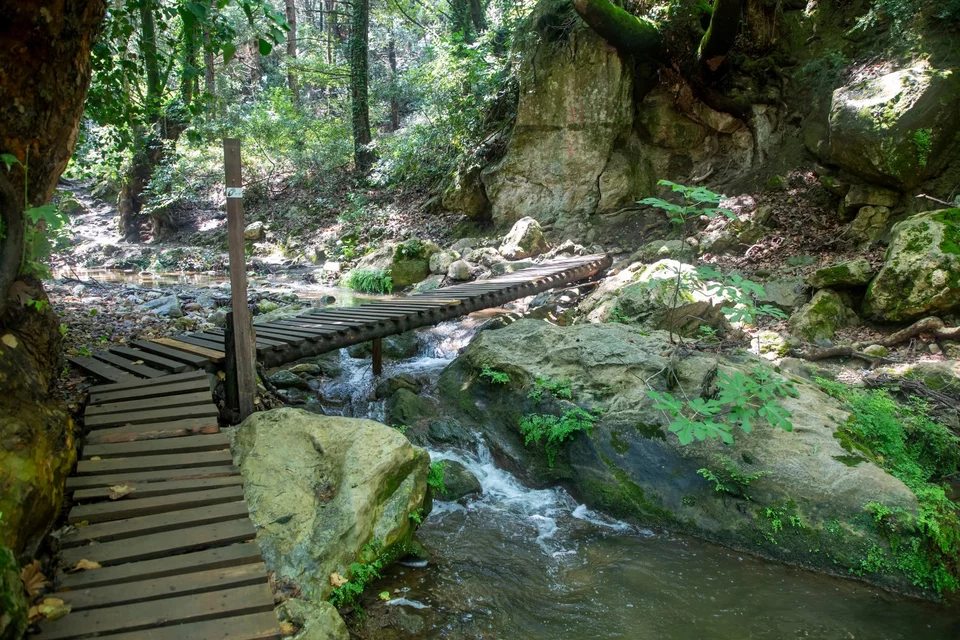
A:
x: 534, y: 564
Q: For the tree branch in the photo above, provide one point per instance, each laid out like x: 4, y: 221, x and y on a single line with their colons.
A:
x: 721, y: 34
x: 628, y: 33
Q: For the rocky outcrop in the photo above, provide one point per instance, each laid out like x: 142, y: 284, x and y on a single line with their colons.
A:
x: 898, y: 129
x: 921, y: 271
x: 630, y: 465
x: 822, y: 317
x: 320, y: 489
x: 525, y: 240
x: 852, y: 273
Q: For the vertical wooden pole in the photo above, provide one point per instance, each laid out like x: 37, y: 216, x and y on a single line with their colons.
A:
x: 231, y: 391
x: 243, y: 337
x: 377, y: 356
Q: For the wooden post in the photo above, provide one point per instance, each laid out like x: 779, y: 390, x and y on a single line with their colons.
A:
x: 243, y: 337
x: 377, y: 356
x: 231, y: 391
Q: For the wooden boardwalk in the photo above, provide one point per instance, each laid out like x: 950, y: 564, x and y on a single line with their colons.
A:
x: 319, y: 331
x: 158, y: 505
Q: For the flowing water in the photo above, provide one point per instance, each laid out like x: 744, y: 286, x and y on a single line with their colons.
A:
x: 532, y: 564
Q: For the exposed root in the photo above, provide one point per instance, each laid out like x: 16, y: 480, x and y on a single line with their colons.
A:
x: 814, y: 354
x: 930, y: 325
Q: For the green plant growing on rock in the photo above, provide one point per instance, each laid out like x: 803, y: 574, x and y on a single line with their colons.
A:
x: 744, y: 294
x: 362, y: 574
x: 697, y: 201
x: 494, y: 376
x: 922, y: 140
x: 370, y: 281
x: 554, y: 431
x: 560, y: 389
x: 435, y: 476
x: 741, y: 400
x: 729, y: 478
x: 683, y: 283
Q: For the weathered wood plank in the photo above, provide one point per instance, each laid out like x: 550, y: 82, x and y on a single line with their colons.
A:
x: 152, y: 415
x: 142, y: 490
x: 141, y: 370
x: 151, y: 359
x: 88, y: 482
x: 191, y: 359
x: 229, y: 556
x: 138, y: 383
x: 102, y: 370
x: 188, y: 444
x: 159, y: 390
x: 143, y: 404
x: 214, y: 354
x: 154, y: 463
x: 140, y: 526
x: 254, y: 626
x: 129, y: 508
x: 213, y: 345
x: 134, y: 617
x: 168, y: 587
x: 154, y: 431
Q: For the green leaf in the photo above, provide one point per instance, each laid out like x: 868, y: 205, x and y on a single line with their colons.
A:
x: 9, y: 160
x: 198, y: 9
x: 265, y: 46
x: 229, y: 50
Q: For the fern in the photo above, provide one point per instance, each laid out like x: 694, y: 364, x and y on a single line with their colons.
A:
x: 370, y: 280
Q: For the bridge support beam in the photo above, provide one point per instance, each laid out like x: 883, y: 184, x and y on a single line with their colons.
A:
x: 377, y: 356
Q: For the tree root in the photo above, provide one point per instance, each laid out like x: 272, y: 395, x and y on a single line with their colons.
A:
x: 814, y: 354
x: 273, y: 389
x: 931, y: 325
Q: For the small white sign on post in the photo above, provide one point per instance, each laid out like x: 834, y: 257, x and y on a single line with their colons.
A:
x: 234, y: 192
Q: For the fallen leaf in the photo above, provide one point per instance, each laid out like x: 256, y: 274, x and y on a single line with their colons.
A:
x: 84, y: 565
x: 95, y: 457
x: 384, y: 595
x: 53, y: 608
x: 337, y: 580
x: 138, y: 362
x: 33, y: 579
x: 117, y: 491
x: 10, y: 340
x: 287, y: 628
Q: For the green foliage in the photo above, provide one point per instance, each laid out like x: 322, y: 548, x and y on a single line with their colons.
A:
x: 697, y: 201
x: 560, y: 389
x: 435, y: 476
x: 729, y: 478
x: 922, y: 140
x: 410, y: 249
x: 361, y: 574
x: 743, y: 293
x: 494, y: 376
x: 617, y: 316
x: 553, y: 430
x: 741, y: 400
x: 370, y: 280
x: 905, y: 441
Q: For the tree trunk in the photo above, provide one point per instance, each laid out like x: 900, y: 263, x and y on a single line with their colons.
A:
x: 360, y: 107
x: 721, y: 34
x: 628, y: 33
x: 292, y: 50
x: 44, y: 76
x: 462, y: 20
x: 394, y: 85
x: 209, y: 70
x: 189, y: 70
x: 478, y: 15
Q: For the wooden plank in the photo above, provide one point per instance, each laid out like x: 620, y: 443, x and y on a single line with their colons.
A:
x: 219, y: 336
x: 168, y: 587
x: 189, y: 444
x: 134, y: 617
x: 143, y: 490
x: 141, y: 370
x: 152, y: 415
x: 229, y: 556
x: 150, y: 358
x: 143, y: 404
x: 281, y: 336
x: 214, y: 355
x: 301, y: 328
x: 102, y: 370
x: 173, y: 354
x: 157, y: 545
x: 254, y: 626
x: 129, y: 508
x: 154, y: 463
x: 212, y: 345
x: 87, y: 482
x: 103, y: 532
x: 137, y: 383
x: 154, y: 431
x: 160, y: 389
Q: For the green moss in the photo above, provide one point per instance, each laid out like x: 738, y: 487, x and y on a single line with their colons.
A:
x: 618, y: 443
x: 918, y: 238
x: 627, y: 499
x: 850, y: 461
x: 650, y: 431
x: 950, y: 242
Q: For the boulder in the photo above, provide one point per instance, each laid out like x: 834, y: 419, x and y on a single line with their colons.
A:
x: 401, y: 381
x: 852, y: 273
x: 448, y: 431
x: 460, y: 271
x: 315, y: 619
x: 867, y: 195
x: 458, y: 482
x: 921, y: 270
x: 168, y: 306
x: 733, y: 235
x: 501, y: 268
x: 441, y: 261
x: 631, y: 466
x: 397, y: 347
x: 486, y: 256
x: 869, y: 226
x: 785, y: 293
x: 254, y: 231
x: 430, y: 284
x: 897, y: 129
x: 466, y: 195
x: 284, y: 379
x: 663, y: 249
x: 643, y: 296
x: 407, y: 408
x: 322, y: 488
x: 822, y: 317
x: 525, y: 240
x: 408, y: 261
x: 13, y: 603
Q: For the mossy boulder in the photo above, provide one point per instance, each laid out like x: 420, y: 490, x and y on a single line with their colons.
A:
x: 822, y: 317
x: 921, y: 270
x: 663, y: 249
x: 897, y: 129
x: 406, y: 407
x: 407, y: 261
x: 458, y: 482
x: 852, y: 273
x: 785, y: 293
x: 631, y: 466
x: 525, y: 240
x: 322, y: 488
x: 870, y: 225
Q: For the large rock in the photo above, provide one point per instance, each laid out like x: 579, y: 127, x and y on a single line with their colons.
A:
x: 663, y: 249
x: 785, y: 293
x: 898, y: 129
x: 822, y: 317
x: 643, y: 295
x: 441, y: 261
x: 852, y: 273
x: 315, y: 619
x: 458, y: 482
x: 168, y: 306
x: 525, y: 240
x: 408, y: 261
x: 869, y: 226
x: 321, y: 488
x: 921, y: 271
x: 631, y: 466
x: 466, y: 195
x: 254, y: 231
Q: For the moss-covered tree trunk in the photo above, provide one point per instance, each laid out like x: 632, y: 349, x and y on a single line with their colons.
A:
x: 44, y: 76
x: 360, y: 101
x: 628, y: 33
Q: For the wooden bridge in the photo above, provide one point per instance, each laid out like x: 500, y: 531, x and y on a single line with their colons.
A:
x: 157, y: 503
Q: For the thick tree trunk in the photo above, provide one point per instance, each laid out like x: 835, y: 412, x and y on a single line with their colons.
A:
x: 360, y: 107
x: 44, y: 76
x: 292, y: 50
x: 189, y: 70
x: 628, y: 33
x: 478, y: 15
x: 394, y: 85
x: 721, y: 34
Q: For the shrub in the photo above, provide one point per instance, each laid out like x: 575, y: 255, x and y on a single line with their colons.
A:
x: 553, y: 430
x: 370, y: 280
